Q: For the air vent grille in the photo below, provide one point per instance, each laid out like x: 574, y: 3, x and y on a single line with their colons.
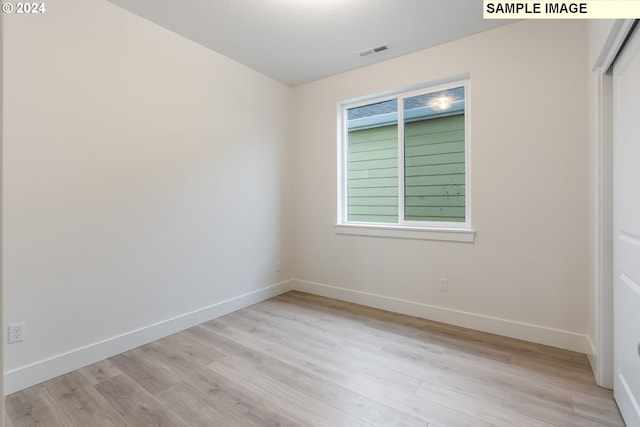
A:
x: 373, y: 50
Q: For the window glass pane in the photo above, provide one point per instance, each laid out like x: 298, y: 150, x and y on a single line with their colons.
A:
x: 372, y: 163
x: 434, y: 156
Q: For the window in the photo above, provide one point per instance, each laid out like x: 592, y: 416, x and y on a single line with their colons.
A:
x: 404, y: 165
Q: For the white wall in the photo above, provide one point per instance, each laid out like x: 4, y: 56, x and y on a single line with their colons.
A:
x: 527, y: 275
x: 144, y: 185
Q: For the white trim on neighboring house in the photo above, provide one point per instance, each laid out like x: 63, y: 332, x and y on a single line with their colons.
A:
x: 602, y: 356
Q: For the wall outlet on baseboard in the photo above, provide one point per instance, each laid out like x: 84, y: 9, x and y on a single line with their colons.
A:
x: 443, y: 284
x: 16, y: 332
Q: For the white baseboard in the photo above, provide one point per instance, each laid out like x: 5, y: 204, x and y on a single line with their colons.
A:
x: 508, y: 328
x: 592, y: 348
x: 35, y: 373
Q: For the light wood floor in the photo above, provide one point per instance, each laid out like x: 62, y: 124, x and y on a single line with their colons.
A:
x: 300, y: 359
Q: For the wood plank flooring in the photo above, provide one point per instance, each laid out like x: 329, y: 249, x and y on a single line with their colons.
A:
x: 301, y: 360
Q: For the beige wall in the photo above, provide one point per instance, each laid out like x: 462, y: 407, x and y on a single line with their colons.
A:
x: 144, y: 179
x: 527, y: 274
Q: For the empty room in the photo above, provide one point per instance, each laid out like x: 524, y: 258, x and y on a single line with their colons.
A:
x: 318, y: 212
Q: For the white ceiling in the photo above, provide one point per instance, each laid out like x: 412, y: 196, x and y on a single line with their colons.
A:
x: 298, y: 41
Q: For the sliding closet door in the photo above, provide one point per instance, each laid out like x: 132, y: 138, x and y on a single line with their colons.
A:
x: 626, y: 81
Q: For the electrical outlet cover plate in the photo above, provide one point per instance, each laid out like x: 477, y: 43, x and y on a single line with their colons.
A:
x: 16, y: 332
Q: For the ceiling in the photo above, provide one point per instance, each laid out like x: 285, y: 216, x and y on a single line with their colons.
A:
x: 299, y: 41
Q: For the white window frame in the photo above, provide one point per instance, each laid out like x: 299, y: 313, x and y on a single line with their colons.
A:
x: 428, y: 230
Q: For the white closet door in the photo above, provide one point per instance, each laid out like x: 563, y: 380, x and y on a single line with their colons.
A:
x: 626, y: 81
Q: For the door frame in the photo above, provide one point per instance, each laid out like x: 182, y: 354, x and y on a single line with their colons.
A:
x: 602, y: 360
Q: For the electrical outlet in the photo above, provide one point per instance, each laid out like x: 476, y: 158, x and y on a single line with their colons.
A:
x: 443, y: 284
x: 277, y: 266
x: 16, y: 332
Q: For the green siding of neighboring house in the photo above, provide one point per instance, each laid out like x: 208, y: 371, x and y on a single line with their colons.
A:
x: 434, y: 172
x: 372, y: 175
x: 434, y: 169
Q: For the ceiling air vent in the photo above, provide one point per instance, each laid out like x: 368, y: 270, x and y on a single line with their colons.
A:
x: 373, y: 50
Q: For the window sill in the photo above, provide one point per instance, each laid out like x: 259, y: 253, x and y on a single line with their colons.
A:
x: 401, y: 232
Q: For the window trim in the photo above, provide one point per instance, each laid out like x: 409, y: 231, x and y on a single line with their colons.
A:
x: 428, y: 230
x: 404, y: 232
